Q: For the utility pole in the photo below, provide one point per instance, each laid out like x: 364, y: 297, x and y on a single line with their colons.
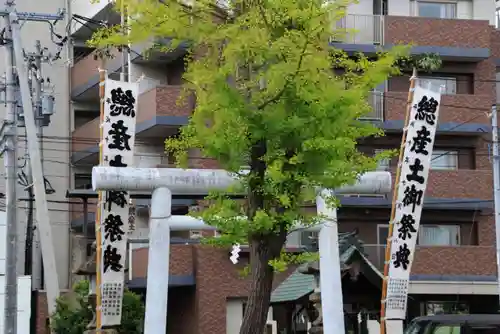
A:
x: 496, y: 184
x: 16, y: 75
x: 10, y: 162
x: 42, y: 211
x: 36, y: 82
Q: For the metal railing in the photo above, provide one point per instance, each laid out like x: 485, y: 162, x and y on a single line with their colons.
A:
x: 360, y: 29
x: 376, y: 101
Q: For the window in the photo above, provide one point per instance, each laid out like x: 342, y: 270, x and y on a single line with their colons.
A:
x: 438, y: 10
x: 447, y: 307
x: 382, y: 234
x: 415, y: 328
x: 383, y: 164
x: 309, y: 239
x: 376, y: 101
x: 487, y: 329
x: 449, y: 84
x: 378, y: 254
x: 83, y: 181
x: 439, y: 235
x: 447, y: 329
x: 444, y: 160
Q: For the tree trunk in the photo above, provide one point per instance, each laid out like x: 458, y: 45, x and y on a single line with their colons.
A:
x: 262, y: 249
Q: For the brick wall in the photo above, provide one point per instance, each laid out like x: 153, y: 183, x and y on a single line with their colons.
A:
x: 454, y: 108
x: 181, y: 261
x: 216, y: 280
x: 42, y: 313
x: 437, y: 32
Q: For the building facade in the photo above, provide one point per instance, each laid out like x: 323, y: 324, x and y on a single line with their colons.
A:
x: 55, y: 143
x: 455, y: 265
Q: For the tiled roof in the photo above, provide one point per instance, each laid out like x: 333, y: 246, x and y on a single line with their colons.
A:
x: 298, y: 285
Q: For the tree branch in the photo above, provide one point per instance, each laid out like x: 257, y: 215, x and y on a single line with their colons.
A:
x: 299, y: 65
x: 285, y: 86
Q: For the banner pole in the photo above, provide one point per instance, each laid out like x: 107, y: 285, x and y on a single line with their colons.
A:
x: 102, y: 81
x: 393, y: 207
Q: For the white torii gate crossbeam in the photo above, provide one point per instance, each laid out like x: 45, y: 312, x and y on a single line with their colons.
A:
x: 165, y: 181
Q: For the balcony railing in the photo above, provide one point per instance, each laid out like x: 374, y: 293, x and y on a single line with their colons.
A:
x: 360, y: 29
x: 86, y: 136
x: 376, y: 101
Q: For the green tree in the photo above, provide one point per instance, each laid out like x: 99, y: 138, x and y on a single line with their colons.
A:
x: 267, y: 98
x: 73, y: 312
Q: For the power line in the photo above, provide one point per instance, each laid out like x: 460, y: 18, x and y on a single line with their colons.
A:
x: 73, y: 139
x: 68, y: 139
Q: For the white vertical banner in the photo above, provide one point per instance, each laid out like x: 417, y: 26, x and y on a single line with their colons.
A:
x: 420, y: 136
x: 118, y: 128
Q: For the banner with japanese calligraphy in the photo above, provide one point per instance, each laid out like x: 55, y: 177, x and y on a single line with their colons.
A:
x: 118, y: 129
x: 420, y: 135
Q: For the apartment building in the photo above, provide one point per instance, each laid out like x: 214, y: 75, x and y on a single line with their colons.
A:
x: 455, y: 265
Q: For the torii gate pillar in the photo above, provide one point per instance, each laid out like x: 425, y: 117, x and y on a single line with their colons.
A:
x: 167, y: 181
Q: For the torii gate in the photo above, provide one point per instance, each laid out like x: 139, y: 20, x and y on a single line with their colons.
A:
x: 165, y: 181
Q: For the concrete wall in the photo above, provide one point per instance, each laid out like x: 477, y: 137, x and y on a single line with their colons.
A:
x: 56, y: 152
x: 147, y: 156
x: 234, y: 316
x: 363, y: 7
x: 399, y: 7
x: 149, y: 77
x: 484, y: 10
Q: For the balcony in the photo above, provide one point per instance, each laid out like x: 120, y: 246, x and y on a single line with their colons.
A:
x: 459, y: 108
x: 443, y: 260
x: 461, y: 183
x: 423, y: 31
x: 85, y: 70
x: 424, y: 34
x: 159, y: 116
x: 86, y: 136
x: 360, y: 29
x: 95, y: 10
x: 85, y: 75
x: 164, y: 101
x: 458, y: 184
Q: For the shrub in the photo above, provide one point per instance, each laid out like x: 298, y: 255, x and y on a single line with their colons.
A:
x: 73, y: 312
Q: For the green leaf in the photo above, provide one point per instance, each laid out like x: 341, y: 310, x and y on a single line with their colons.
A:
x: 73, y: 312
